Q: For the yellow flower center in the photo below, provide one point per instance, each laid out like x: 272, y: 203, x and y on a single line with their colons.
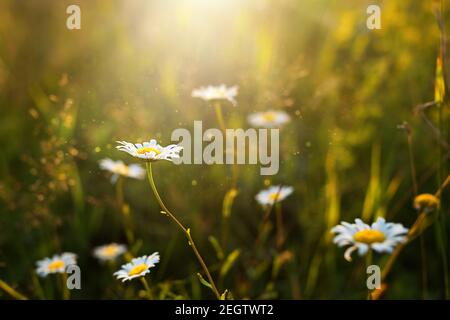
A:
x: 55, y: 265
x: 137, y: 269
x: 369, y: 236
x: 222, y: 92
x: 121, y: 169
x: 148, y: 149
x: 274, y: 196
x: 109, y: 251
x: 269, y: 116
x: 426, y: 201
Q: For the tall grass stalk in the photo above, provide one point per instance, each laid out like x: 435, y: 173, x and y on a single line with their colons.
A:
x: 440, y: 226
x: 440, y: 92
x: 422, y: 222
x: 423, y: 257
x: 11, y: 291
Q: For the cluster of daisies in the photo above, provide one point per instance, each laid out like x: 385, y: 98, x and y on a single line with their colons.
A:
x: 137, y: 267
x: 264, y: 119
x: 380, y: 236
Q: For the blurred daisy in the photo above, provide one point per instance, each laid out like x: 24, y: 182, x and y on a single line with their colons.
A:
x: 138, y: 267
x: 273, y: 194
x: 426, y: 202
x: 151, y: 150
x: 382, y: 236
x: 217, y: 93
x: 118, y: 168
x: 56, y: 264
x: 109, y: 252
x: 268, y: 119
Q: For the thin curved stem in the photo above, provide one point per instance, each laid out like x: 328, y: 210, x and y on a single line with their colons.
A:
x: 185, y: 230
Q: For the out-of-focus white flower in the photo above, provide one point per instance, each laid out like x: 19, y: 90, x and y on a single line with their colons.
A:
x: 56, y: 264
x: 109, y: 251
x: 150, y: 151
x: 118, y: 168
x: 217, y: 93
x: 273, y: 194
x: 138, y: 267
x: 268, y: 119
x: 382, y: 236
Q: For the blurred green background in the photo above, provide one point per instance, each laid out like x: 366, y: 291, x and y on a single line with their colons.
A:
x: 66, y: 96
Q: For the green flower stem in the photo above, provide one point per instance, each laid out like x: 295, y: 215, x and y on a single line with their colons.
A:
x: 263, y: 225
x: 147, y: 288
x: 65, y: 290
x: 234, y: 177
x: 119, y: 192
x: 279, y: 224
x: 369, y: 258
x: 124, y: 210
x: 185, y: 230
x: 219, y: 115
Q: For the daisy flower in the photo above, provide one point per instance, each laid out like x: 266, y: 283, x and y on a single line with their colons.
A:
x: 56, y: 264
x: 138, y: 267
x: 426, y: 202
x: 216, y: 93
x: 150, y: 151
x: 268, y: 119
x: 273, y: 194
x: 118, y: 168
x: 382, y: 236
x: 109, y: 252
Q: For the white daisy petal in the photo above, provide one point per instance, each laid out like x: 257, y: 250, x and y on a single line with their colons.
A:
x: 348, y: 253
x: 362, y: 248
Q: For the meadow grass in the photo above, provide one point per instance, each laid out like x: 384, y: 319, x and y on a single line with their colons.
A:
x: 141, y: 70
